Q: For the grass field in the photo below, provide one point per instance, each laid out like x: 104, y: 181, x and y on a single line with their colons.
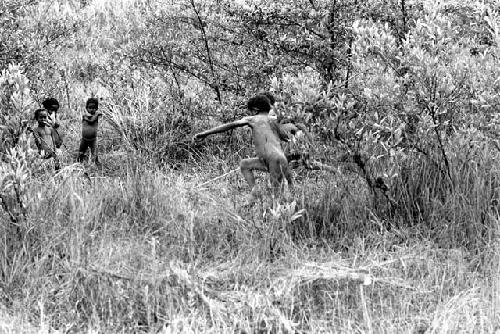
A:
x: 150, y: 250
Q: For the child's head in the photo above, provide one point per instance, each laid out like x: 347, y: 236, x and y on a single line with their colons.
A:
x: 272, y: 101
x: 270, y: 97
x: 41, y: 116
x: 51, y: 104
x: 92, y: 105
x: 259, y: 103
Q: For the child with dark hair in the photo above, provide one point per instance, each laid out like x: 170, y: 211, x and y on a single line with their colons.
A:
x: 270, y: 157
x: 45, y: 137
x: 90, y: 123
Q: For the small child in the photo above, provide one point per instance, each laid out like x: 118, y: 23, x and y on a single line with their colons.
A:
x: 270, y: 157
x: 89, y: 130
x: 46, y: 138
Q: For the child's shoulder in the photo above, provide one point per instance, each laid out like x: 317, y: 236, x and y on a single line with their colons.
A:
x: 260, y: 118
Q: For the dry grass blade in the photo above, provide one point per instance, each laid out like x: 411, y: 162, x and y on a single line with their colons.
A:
x: 329, y: 271
x: 201, y: 185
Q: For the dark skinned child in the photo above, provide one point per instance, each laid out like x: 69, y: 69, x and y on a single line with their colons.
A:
x: 90, y: 123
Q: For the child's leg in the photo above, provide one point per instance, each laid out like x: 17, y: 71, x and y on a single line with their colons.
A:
x: 247, y: 166
x: 93, y: 150
x: 289, y: 178
x: 81, y: 150
x: 277, y: 170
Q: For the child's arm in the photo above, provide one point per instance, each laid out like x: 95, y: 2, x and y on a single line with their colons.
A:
x: 281, y: 131
x: 288, y: 130
x: 303, y: 128
x: 91, y: 118
x: 54, y: 123
x: 38, y: 139
x: 221, y: 128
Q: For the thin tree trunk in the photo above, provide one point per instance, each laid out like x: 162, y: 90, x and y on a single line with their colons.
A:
x: 405, y: 20
x: 216, y: 84
x: 349, y: 54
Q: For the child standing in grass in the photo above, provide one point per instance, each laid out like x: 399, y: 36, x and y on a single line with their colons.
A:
x: 46, y: 137
x: 90, y: 123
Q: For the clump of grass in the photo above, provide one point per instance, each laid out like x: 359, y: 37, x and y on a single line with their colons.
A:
x: 466, y: 312
x: 83, y: 224
x: 454, y: 211
x: 10, y: 324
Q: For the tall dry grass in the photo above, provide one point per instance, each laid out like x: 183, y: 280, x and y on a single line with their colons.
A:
x: 161, y: 250
x: 458, y: 208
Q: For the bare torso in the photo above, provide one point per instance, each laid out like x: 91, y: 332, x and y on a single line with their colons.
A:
x: 45, y: 134
x: 89, y: 126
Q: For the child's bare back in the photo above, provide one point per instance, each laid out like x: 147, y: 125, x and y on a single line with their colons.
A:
x: 266, y: 140
x: 270, y: 157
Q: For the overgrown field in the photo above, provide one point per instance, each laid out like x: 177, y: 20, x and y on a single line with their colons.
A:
x: 400, y: 234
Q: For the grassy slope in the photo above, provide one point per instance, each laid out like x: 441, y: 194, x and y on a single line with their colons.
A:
x: 150, y: 248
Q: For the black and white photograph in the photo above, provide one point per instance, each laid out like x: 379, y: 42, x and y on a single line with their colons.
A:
x: 250, y: 166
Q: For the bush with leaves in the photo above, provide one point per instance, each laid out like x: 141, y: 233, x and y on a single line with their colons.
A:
x: 420, y: 99
x: 16, y: 105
